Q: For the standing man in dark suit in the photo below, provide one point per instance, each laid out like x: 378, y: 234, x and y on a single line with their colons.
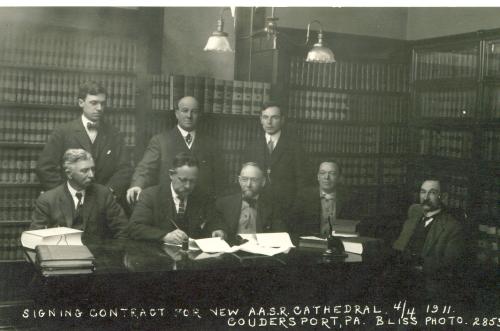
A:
x: 162, y: 149
x: 250, y: 211
x: 318, y: 206
x: 280, y: 154
x: 432, y: 242
x: 79, y: 203
x: 175, y: 210
x: 93, y: 134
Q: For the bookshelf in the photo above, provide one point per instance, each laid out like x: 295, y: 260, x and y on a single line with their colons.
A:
x: 41, y: 68
x: 455, y: 127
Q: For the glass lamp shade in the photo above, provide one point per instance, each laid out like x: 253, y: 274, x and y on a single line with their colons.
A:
x: 320, y: 54
x: 218, y: 42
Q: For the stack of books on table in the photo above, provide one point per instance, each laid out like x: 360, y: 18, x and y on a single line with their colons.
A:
x: 54, y: 260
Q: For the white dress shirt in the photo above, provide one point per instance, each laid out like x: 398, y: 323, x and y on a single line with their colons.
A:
x: 73, y: 193
x: 177, y: 199
x: 91, y: 133
x: 184, y: 133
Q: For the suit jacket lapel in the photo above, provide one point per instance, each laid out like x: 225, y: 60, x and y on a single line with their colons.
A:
x: 66, y: 206
x: 262, y: 215
x: 434, y: 233
x: 82, y: 136
x: 235, y: 212
x: 278, y: 149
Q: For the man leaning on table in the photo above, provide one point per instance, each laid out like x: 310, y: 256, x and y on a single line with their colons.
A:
x: 80, y: 203
x: 175, y: 209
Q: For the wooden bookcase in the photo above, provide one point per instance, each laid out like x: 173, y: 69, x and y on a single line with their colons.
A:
x: 455, y: 124
x: 42, y: 66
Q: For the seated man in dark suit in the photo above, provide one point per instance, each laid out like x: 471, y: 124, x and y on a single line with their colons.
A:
x: 79, y: 203
x: 432, y: 241
x: 175, y: 210
x: 250, y: 211
x: 319, y: 206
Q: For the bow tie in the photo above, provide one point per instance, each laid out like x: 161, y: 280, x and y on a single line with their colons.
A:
x: 251, y: 202
x: 327, y: 196
x: 92, y: 126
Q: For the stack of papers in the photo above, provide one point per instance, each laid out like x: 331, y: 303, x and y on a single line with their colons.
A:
x: 261, y: 243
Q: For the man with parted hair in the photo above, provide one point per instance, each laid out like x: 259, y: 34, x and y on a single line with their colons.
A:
x: 318, y: 206
x: 79, y: 202
x: 280, y: 154
x: 176, y: 209
x: 154, y: 167
x: 93, y: 133
x: 250, y: 210
x: 431, y: 239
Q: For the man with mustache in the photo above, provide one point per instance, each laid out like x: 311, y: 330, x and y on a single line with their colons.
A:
x: 250, y: 210
x: 92, y: 133
x: 162, y: 149
x: 80, y: 203
x: 432, y: 241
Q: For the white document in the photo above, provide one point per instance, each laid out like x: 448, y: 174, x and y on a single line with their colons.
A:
x: 275, y: 239
x: 51, y: 236
x: 254, y: 248
x: 213, y: 245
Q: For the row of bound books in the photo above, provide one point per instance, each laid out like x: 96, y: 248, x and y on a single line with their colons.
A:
x: 10, y: 246
x: 490, y: 198
x: 340, y: 106
x: 493, y: 62
x: 490, y: 145
x: 446, y: 143
x: 18, y: 165
x: 322, y: 138
x: 35, y: 126
x: 442, y: 64
x: 447, y: 104
x: 394, y: 171
x: 17, y: 203
x: 380, y: 77
x: 61, y: 88
x: 494, y: 102
x: 65, y: 49
x: 395, y: 139
x: 232, y: 166
x: 488, y: 241
x: 220, y: 96
x: 232, y: 134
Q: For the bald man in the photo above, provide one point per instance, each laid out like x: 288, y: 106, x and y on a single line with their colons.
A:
x: 163, y: 147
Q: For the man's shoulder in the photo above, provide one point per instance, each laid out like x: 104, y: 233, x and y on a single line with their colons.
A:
x: 448, y: 219
x: 53, y: 193
x: 151, y: 191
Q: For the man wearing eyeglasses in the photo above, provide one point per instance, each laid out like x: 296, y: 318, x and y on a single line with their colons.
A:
x: 175, y: 210
x: 280, y: 154
x: 250, y: 210
x: 153, y: 169
x: 319, y: 206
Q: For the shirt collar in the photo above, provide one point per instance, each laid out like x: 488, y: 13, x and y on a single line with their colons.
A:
x: 432, y: 213
x: 184, y: 133
x: 73, y: 192
x: 85, y: 121
x: 275, y: 137
x: 175, y: 196
x: 328, y: 195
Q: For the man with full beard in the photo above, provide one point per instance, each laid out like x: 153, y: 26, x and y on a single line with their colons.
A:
x: 250, y: 210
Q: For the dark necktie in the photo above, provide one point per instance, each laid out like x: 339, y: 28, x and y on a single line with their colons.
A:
x: 92, y: 126
x: 182, y: 208
x: 188, y: 138
x: 252, y: 203
x: 270, y: 146
x: 78, y: 220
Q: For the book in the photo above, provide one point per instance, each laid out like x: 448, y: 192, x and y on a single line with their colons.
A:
x: 313, y: 242
x: 55, y: 257
x: 361, y: 245
x: 345, y: 226
x: 51, y: 236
